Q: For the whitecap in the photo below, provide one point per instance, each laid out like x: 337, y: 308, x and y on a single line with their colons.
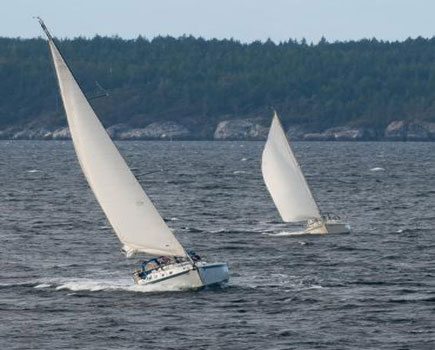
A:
x: 98, y: 285
x: 284, y: 233
x: 377, y: 169
x: 300, y: 287
x: 34, y: 171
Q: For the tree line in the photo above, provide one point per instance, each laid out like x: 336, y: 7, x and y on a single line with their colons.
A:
x: 198, y: 82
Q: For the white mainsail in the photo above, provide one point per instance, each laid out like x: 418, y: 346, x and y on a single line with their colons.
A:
x: 284, y: 178
x: 130, y: 212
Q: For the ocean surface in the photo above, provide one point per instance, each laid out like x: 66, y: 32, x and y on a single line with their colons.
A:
x: 65, y: 285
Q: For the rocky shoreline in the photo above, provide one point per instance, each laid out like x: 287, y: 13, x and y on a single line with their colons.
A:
x: 238, y: 129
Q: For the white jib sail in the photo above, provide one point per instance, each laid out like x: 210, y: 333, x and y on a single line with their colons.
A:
x: 130, y: 212
x: 284, y: 178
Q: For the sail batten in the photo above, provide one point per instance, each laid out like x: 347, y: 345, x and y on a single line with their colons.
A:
x: 284, y: 178
x: 138, y: 225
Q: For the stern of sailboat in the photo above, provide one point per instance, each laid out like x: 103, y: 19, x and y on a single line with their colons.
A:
x: 213, y: 274
x: 327, y: 223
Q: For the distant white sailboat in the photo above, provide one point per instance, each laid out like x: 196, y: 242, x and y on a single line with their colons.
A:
x: 137, y: 223
x: 288, y: 187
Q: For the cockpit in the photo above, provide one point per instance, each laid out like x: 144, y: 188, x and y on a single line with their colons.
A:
x: 323, y: 218
x: 155, y: 264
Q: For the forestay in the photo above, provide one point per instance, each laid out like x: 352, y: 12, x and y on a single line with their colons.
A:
x: 284, y: 178
x: 130, y: 212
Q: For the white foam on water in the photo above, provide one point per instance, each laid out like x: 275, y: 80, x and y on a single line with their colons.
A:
x: 285, y: 233
x: 299, y: 288
x: 97, y: 285
x: 14, y: 284
x: 34, y: 171
x: 239, y: 172
x: 314, y: 286
x: 377, y: 169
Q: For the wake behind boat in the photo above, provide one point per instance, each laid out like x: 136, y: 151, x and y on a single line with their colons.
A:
x: 135, y: 220
x: 289, y: 189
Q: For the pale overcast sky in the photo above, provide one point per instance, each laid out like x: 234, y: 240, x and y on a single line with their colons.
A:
x: 244, y: 20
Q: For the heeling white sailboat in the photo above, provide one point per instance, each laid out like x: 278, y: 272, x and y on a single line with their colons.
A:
x: 288, y: 187
x: 137, y: 223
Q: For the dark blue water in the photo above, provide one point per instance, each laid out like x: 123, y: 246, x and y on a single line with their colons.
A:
x: 65, y: 285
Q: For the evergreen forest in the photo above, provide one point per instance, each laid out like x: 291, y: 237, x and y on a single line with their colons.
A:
x: 199, y: 82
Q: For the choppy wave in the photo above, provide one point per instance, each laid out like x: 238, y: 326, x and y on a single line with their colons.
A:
x: 54, y: 245
x: 289, y: 283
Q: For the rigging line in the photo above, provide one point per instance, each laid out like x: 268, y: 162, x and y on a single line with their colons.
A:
x: 150, y: 172
x: 104, y: 93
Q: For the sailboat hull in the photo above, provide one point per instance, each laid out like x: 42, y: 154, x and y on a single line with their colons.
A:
x: 189, y: 279
x: 328, y: 226
x: 213, y: 274
x: 185, y: 277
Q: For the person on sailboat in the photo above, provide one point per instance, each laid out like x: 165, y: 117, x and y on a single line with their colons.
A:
x: 164, y: 260
x: 195, y: 257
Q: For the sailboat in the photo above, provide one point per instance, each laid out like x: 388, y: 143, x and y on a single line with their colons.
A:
x: 289, y: 189
x: 133, y: 217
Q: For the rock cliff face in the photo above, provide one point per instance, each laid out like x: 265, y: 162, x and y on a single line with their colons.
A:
x: 396, y: 131
x: 253, y: 129
x: 61, y: 134
x: 240, y: 129
x: 401, y: 130
x: 115, y: 130
x: 342, y: 133
x: 30, y: 134
x: 159, y: 130
x: 154, y: 131
x: 296, y: 133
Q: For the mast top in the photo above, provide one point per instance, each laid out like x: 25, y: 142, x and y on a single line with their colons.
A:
x: 44, y: 28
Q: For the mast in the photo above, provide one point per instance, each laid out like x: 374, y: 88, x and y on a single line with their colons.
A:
x: 44, y: 28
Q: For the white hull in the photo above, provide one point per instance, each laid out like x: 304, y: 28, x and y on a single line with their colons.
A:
x: 328, y: 226
x: 185, y: 276
x: 213, y: 274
